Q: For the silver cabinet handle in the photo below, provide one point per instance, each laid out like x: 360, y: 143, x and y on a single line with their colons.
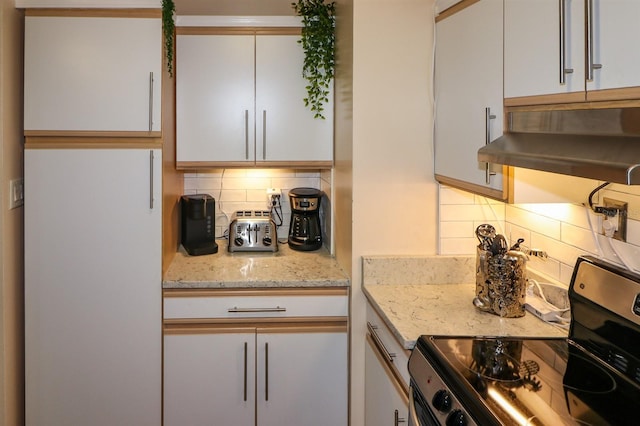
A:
x: 246, y: 134
x: 236, y: 310
x: 151, y: 179
x: 563, y: 42
x: 266, y: 371
x: 374, y: 334
x: 245, y: 371
x: 590, y: 42
x: 487, y: 140
x: 264, y: 134
x: 150, y: 101
x: 397, y: 419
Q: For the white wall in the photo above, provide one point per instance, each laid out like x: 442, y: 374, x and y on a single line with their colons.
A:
x: 394, y: 193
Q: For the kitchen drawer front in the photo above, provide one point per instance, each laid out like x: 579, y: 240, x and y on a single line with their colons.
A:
x: 257, y: 304
x: 382, y: 336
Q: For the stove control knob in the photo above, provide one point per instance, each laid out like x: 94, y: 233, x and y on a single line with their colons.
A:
x: 442, y: 401
x: 456, y: 418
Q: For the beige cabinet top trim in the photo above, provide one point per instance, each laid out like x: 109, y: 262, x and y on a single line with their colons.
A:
x: 455, y: 9
x: 95, y: 13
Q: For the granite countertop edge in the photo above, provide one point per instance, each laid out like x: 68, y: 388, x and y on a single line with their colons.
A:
x: 285, y: 268
x: 409, y: 320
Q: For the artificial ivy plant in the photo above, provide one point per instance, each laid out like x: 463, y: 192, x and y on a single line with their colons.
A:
x: 168, y: 27
x: 318, y: 43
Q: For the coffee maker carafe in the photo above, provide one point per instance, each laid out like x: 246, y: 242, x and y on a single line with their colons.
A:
x: 198, y: 224
x: 305, y: 233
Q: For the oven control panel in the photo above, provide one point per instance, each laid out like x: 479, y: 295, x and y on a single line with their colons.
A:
x: 442, y: 403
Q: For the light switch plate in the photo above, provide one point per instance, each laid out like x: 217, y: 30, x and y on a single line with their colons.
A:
x: 16, y: 193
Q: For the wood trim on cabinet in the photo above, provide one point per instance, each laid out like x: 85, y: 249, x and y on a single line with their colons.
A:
x: 632, y: 103
x: 560, y: 98
x: 70, y: 142
x: 496, y: 194
x: 95, y: 12
x: 208, y: 165
x: 391, y: 371
x: 93, y: 134
x: 455, y: 9
x: 296, y: 31
x: 261, y: 325
x: 213, y: 292
x: 626, y: 93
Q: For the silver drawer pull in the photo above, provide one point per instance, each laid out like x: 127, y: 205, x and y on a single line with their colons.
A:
x: 372, y: 330
x: 235, y: 309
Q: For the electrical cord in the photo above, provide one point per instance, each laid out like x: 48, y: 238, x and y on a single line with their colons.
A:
x: 225, y: 233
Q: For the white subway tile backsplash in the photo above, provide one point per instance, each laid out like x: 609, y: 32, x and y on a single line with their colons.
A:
x: 562, y: 230
x: 455, y: 196
x: 456, y: 229
x: 245, y: 189
x: 451, y: 246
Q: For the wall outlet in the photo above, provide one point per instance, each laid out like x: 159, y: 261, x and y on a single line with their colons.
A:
x: 16, y: 193
x: 620, y: 219
x: 273, y: 197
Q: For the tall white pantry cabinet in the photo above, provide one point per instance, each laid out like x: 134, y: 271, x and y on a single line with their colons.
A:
x: 93, y: 217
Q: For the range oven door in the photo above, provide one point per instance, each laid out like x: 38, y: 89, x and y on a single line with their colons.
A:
x: 419, y: 412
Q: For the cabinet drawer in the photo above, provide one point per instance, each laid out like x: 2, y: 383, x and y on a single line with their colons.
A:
x: 382, y: 335
x: 255, y: 304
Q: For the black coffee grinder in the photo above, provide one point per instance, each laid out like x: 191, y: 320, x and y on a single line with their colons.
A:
x: 305, y: 233
x: 198, y: 224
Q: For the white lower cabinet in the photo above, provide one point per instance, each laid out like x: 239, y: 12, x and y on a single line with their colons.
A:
x: 385, y: 403
x: 265, y: 372
x: 209, y: 378
x: 386, y: 376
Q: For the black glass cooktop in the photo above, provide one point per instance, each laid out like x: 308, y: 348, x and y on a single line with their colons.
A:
x: 534, y: 382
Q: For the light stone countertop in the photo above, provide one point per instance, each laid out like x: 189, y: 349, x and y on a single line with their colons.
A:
x: 285, y: 268
x: 433, y: 295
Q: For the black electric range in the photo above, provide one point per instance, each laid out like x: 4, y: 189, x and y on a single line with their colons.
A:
x: 591, y: 378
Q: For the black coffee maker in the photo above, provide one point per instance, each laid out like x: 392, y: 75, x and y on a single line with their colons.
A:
x: 305, y: 233
x: 198, y: 224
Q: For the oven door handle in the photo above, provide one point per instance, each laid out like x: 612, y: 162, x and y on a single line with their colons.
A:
x: 413, y: 416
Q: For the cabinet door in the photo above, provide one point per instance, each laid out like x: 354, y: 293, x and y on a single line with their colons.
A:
x: 615, y: 23
x: 533, y: 54
x: 468, y: 79
x: 93, y: 287
x: 286, y: 130
x: 209, y: 379
x: 302, y: 378
x: 215, y: 98
x: 382, y: 395
x: 92, y: 74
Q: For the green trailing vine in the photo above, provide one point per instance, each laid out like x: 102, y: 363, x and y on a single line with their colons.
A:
x: 168, y: 27
x: 318, y: 43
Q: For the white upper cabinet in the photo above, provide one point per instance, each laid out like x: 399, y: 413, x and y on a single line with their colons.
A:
x: 215, y: 98
x: 570, y: 50
x: 468, y: 86
x: 240, y: 102
x: 615, y: 24
x: 86, y: 73
x: 285, y: 129
x: 533, y: 51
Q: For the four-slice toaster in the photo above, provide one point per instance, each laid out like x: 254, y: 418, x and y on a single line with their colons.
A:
x: 252, y: 230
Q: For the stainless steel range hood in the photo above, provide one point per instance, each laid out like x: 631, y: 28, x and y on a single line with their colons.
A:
x: 602, y: 144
